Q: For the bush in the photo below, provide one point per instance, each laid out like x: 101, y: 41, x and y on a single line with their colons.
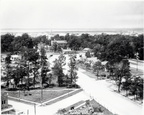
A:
x: 87, y: 54
x: 98, y: 109
x: 12, y: 89
x: 73, y: 86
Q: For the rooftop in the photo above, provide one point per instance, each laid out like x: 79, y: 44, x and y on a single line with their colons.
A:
x: 60, y: 41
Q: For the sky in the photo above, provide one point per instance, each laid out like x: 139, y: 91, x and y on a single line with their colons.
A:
x: 38, y: 14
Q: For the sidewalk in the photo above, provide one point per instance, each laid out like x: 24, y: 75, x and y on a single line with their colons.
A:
x: 50, y: 109
x: 135, y: 60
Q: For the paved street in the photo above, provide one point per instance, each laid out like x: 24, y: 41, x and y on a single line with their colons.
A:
x: 101, y: 93
x: 50, y: 109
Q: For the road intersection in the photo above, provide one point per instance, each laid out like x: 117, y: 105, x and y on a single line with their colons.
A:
x: 92, y: 89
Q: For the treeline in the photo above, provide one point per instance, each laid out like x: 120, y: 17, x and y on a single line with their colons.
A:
x: 11, y: 43
x: 107, y: 47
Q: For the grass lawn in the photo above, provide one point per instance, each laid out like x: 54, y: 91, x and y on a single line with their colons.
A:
x: 36, y: 95
x: 64, y: 97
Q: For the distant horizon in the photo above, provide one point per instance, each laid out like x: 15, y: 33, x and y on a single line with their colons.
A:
x: 72, y: 29
x: 64, y: 31
x: 79, y: 28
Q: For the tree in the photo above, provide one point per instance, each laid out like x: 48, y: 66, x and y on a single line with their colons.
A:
x: 136, y: 87
x: 50, y: 76
x: 40, y: 39
x: 87, y: 54
x: 74, y: 43
x: 59, y: 49
x: 6, y: 43
x: 20, y: 42
x: 73, y: 69
x: 58, y: 68
x: 96, y: 49
x: 8, y: 68
x: 110, y: 67
x: 33, y: 57
x: 16, y: 76
x: 22, y: 72
x: 58, y: 71
x: 45, y: 66
x: 8, y: 59
x: 88, y: 65
x: 122, y: 71
x: 25, y: 59
x: 97, y: 67
x: 55, y: 46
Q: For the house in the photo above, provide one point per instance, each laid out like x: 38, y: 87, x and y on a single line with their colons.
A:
x: 86, y: 49
x: 3, y: 56
x: 15, y: 58
x: 68, y: 51
x: 5, y: 107
x: 61, y: 43
x: 4, y: 100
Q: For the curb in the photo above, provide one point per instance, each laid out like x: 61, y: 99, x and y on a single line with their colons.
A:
x: 22, y: 100
x: 44, y: 103
x: 54, y: 100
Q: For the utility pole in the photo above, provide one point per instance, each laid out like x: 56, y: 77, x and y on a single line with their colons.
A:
x: 27, y: 112
x: 18, y: 76
x: 34, y: 108
x: 137, y: 57
x: 41, y: 75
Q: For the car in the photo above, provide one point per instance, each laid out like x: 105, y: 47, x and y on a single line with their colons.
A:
x: 69, y: 86
x: 73, y: 86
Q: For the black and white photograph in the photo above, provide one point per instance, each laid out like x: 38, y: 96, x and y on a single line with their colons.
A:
x: 71, y: 57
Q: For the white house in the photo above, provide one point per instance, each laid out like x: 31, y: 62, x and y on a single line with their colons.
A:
x: 86, y: 49
x: 15, y: 58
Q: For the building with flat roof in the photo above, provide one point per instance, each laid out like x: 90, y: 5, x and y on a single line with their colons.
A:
x: 68, y: 51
